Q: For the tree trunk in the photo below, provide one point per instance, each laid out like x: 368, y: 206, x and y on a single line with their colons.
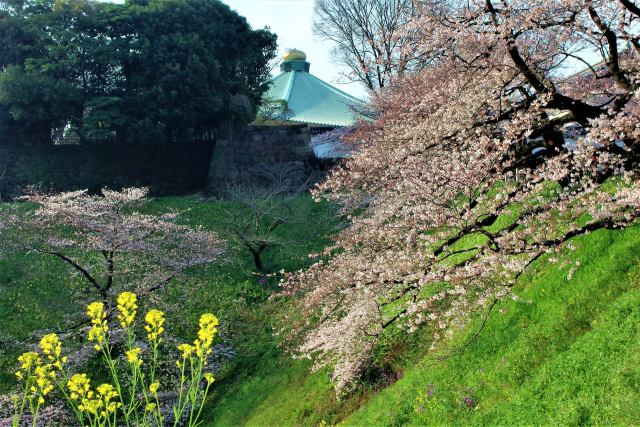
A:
x: 257, y: 260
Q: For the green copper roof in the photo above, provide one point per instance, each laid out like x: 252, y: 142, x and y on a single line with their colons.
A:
x: 311, y: 100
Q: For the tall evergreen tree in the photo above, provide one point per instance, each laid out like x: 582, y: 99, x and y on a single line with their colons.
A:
x: 162, y: 70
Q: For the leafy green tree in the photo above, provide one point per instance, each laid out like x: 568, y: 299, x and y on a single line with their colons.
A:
x: 103, y: 118
x: 188, y: 73
x: 35, y: 104
x: 161, y: 70
x: 274, y: 111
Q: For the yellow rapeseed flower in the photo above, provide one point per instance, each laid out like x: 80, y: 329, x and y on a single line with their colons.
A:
x: 127, y: 306
x: 153, y: 387
x: 80, y: 387
x: 43, y: 384
x: 208, y: 320
x: 106, y: 393
x: 92, y: 406
x: 96, y: 312
x: 51, y: 346
x: 133, y: 356
x: 207, y: 332
x: 209, y: 377
x: 186, y: 350
x: 99, y: 328
x: 28, y: 360
x: 154, y: 320
x: 100, y: 404
x: 150, y: 407
x: 97, y: 334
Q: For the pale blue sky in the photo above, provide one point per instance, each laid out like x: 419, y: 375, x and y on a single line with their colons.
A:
x: 292, y: 20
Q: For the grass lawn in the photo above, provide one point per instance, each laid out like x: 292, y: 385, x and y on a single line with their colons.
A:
x: 37, y: 293
x: 566, y: 352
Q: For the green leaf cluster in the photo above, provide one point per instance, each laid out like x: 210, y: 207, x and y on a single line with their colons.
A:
x: 142, y: 71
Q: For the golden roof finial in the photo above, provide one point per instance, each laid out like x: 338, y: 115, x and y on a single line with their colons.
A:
x: 294, y: 55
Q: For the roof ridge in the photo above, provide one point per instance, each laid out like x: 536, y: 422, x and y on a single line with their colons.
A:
x: 292, y: 77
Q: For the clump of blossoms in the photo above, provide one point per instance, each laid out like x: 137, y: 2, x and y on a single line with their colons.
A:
x: 127, y: 306
x: 36, y: 378
x: 39, y: 373
x: 476, y: 147
x: 132, y: 396
x: 99, y: 327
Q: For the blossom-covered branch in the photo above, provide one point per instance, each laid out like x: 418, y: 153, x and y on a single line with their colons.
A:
x: 108, y: 242
x: 478, y: 166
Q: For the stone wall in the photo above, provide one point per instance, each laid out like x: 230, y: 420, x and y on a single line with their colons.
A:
x: 176, y: 168
x: 258, y: 151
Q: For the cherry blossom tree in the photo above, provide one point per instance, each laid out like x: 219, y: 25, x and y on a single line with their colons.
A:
x: 451, y: 160
x: 108, y: 242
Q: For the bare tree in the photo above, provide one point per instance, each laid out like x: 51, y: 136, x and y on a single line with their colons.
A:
x: 274, y: 111
x: 260, y: 208
x: 371, y: 38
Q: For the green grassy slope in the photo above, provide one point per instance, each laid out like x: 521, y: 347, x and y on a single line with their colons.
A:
x: 565, y: 353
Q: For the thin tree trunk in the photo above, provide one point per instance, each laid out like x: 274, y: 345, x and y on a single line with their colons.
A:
x: 257, y: 260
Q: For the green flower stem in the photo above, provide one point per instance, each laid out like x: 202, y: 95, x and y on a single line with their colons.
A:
x: 204, y: 399
x: 27, y: 386
x: 74, y: 407
x: 106, y: 352
x: 34, y: 421
x: 194, y: 387
x: 135, y: 375
x: 177, y: 410
x: 155, y: 360
x: 158, y: 412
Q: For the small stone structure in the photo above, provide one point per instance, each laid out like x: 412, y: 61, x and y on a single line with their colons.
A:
x: 261, y: 151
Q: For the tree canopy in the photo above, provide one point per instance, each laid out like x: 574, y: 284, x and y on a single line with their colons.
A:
x: 143, y: 71
x: 370, y: 38
x: 480, y: 164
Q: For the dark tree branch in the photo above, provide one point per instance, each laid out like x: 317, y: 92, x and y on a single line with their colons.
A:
x: 631, y: 7
x: 79, y: 268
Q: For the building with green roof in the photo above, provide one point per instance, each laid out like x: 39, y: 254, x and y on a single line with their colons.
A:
x: 310, y: 100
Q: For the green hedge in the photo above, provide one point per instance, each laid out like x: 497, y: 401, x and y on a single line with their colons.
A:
x: 177, y: 168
